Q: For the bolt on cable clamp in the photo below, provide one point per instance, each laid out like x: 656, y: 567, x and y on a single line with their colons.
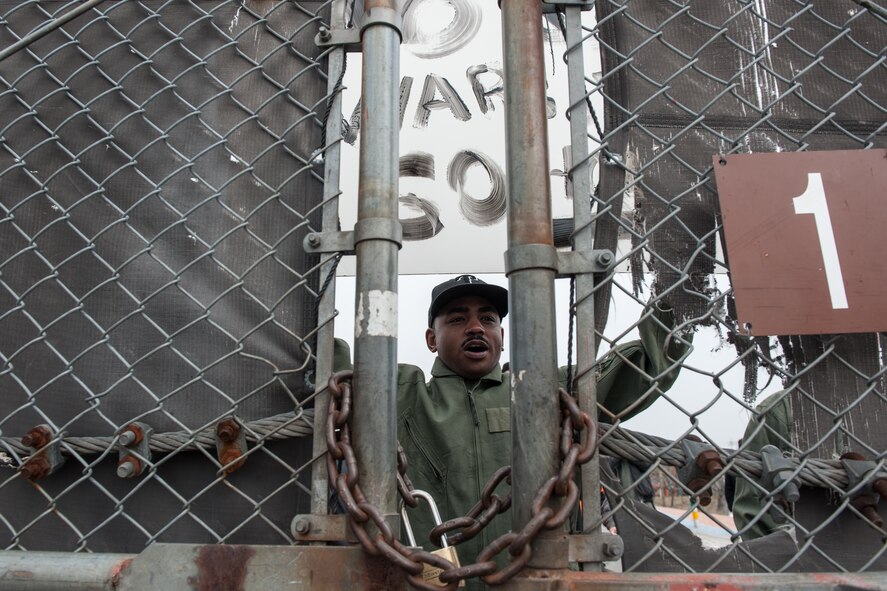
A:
x: 46, y: 454
x: 231, y: 444
x: 133, y: 449
x: 701, y: 465
x: 776, y: 475
x: 869, y: 482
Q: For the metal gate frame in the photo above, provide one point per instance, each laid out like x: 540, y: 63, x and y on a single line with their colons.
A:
x: 532, y: 265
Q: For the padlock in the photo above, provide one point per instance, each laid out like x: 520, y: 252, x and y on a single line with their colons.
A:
x: 430, y: 573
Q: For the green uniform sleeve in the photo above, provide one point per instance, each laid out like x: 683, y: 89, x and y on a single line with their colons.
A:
x: 633, y: 375
x: 341, y: 356
x: 771, y: 424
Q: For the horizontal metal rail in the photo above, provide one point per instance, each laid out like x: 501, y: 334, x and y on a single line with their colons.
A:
x: 181, y: 567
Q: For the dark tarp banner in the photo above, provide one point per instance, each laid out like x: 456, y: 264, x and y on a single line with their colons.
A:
x: 686, y: 81
x: 156, y: 183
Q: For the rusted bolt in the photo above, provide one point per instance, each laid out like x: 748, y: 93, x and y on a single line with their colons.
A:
x: 880, y: 486
x: 132, y: 435
x: 614, y: 548
x: 303, y: 526
x: 228, y: 430
x: 865, y: 504
x: 230, y: 458
x: 129, y: 466
x: 710, y: 462
x: 704, y: 498
x: 37, y: 437
x: 323, y: 33
x: 36, y: 468
x: 872, y: 515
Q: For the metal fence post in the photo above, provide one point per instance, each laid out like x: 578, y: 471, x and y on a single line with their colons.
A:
x: 583, y: 241
x: 531, y: 262
x: 377, y: 239
x: 326, y: 309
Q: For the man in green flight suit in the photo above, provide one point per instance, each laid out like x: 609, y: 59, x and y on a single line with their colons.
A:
x: 456, y: 428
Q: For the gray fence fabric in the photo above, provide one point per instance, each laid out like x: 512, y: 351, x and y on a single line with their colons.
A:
x: 683, y: 81
x: 159, y: 169
x: 156, y: 182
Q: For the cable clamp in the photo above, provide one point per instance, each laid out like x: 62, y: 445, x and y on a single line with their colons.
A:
x: 576, y: 262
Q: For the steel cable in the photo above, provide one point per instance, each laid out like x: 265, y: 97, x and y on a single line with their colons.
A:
x: 617, y: 442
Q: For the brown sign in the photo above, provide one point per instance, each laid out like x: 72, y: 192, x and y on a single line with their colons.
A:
x: 804, y: 236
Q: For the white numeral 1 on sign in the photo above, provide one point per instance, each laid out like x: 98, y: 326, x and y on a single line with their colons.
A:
x: 812, y: 200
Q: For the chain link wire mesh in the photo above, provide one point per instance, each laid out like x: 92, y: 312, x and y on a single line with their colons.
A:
x: 159, y: 170
x: 681, y: 81
x: 158, y: 173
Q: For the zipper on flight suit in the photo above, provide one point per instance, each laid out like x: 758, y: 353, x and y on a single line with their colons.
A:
x: 477, y: 474
x: 473, y: 408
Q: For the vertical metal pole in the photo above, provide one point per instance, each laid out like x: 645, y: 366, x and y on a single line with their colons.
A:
x: 377, y: 240
x: 531, y: 262
x: 583, y: 241
x: 326, y: 310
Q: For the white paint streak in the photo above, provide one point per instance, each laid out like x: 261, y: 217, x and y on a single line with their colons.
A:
x: 765, y: 82
x: 234, y: 20
x: 423, y: 34
x: 376, y: 314
x: 515, y: 379
x: 632, y: 191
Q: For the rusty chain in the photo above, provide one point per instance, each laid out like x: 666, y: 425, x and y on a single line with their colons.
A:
x: 411, y: 560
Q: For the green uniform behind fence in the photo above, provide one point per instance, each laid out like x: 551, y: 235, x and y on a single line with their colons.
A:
x: 456, y: 433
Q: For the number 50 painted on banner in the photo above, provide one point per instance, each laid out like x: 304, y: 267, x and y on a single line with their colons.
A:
x: 813, y: 201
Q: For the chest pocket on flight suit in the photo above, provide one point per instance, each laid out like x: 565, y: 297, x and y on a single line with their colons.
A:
x: 498, y: 419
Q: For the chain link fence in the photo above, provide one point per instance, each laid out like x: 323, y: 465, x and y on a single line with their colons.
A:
x: 158, y: 173
x: 681, y: 82
x: 161, y: 163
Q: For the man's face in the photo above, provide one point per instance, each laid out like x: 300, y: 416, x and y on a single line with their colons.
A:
x: 467, y: 336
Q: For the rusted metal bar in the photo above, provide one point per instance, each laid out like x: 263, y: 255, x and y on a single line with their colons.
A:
x: 377, y: 240
x: 186, y: 567
x: 537, y: 580
x: 531, y: 263
x: 61, y: 571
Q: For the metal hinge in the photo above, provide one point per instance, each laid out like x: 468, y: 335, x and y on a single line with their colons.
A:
x: 577, y: 262
x: 329, y: 242
x: 349, y: 39
x: 552, y: 5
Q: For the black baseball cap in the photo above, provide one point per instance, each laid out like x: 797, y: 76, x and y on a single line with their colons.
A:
x: 465, y: 285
